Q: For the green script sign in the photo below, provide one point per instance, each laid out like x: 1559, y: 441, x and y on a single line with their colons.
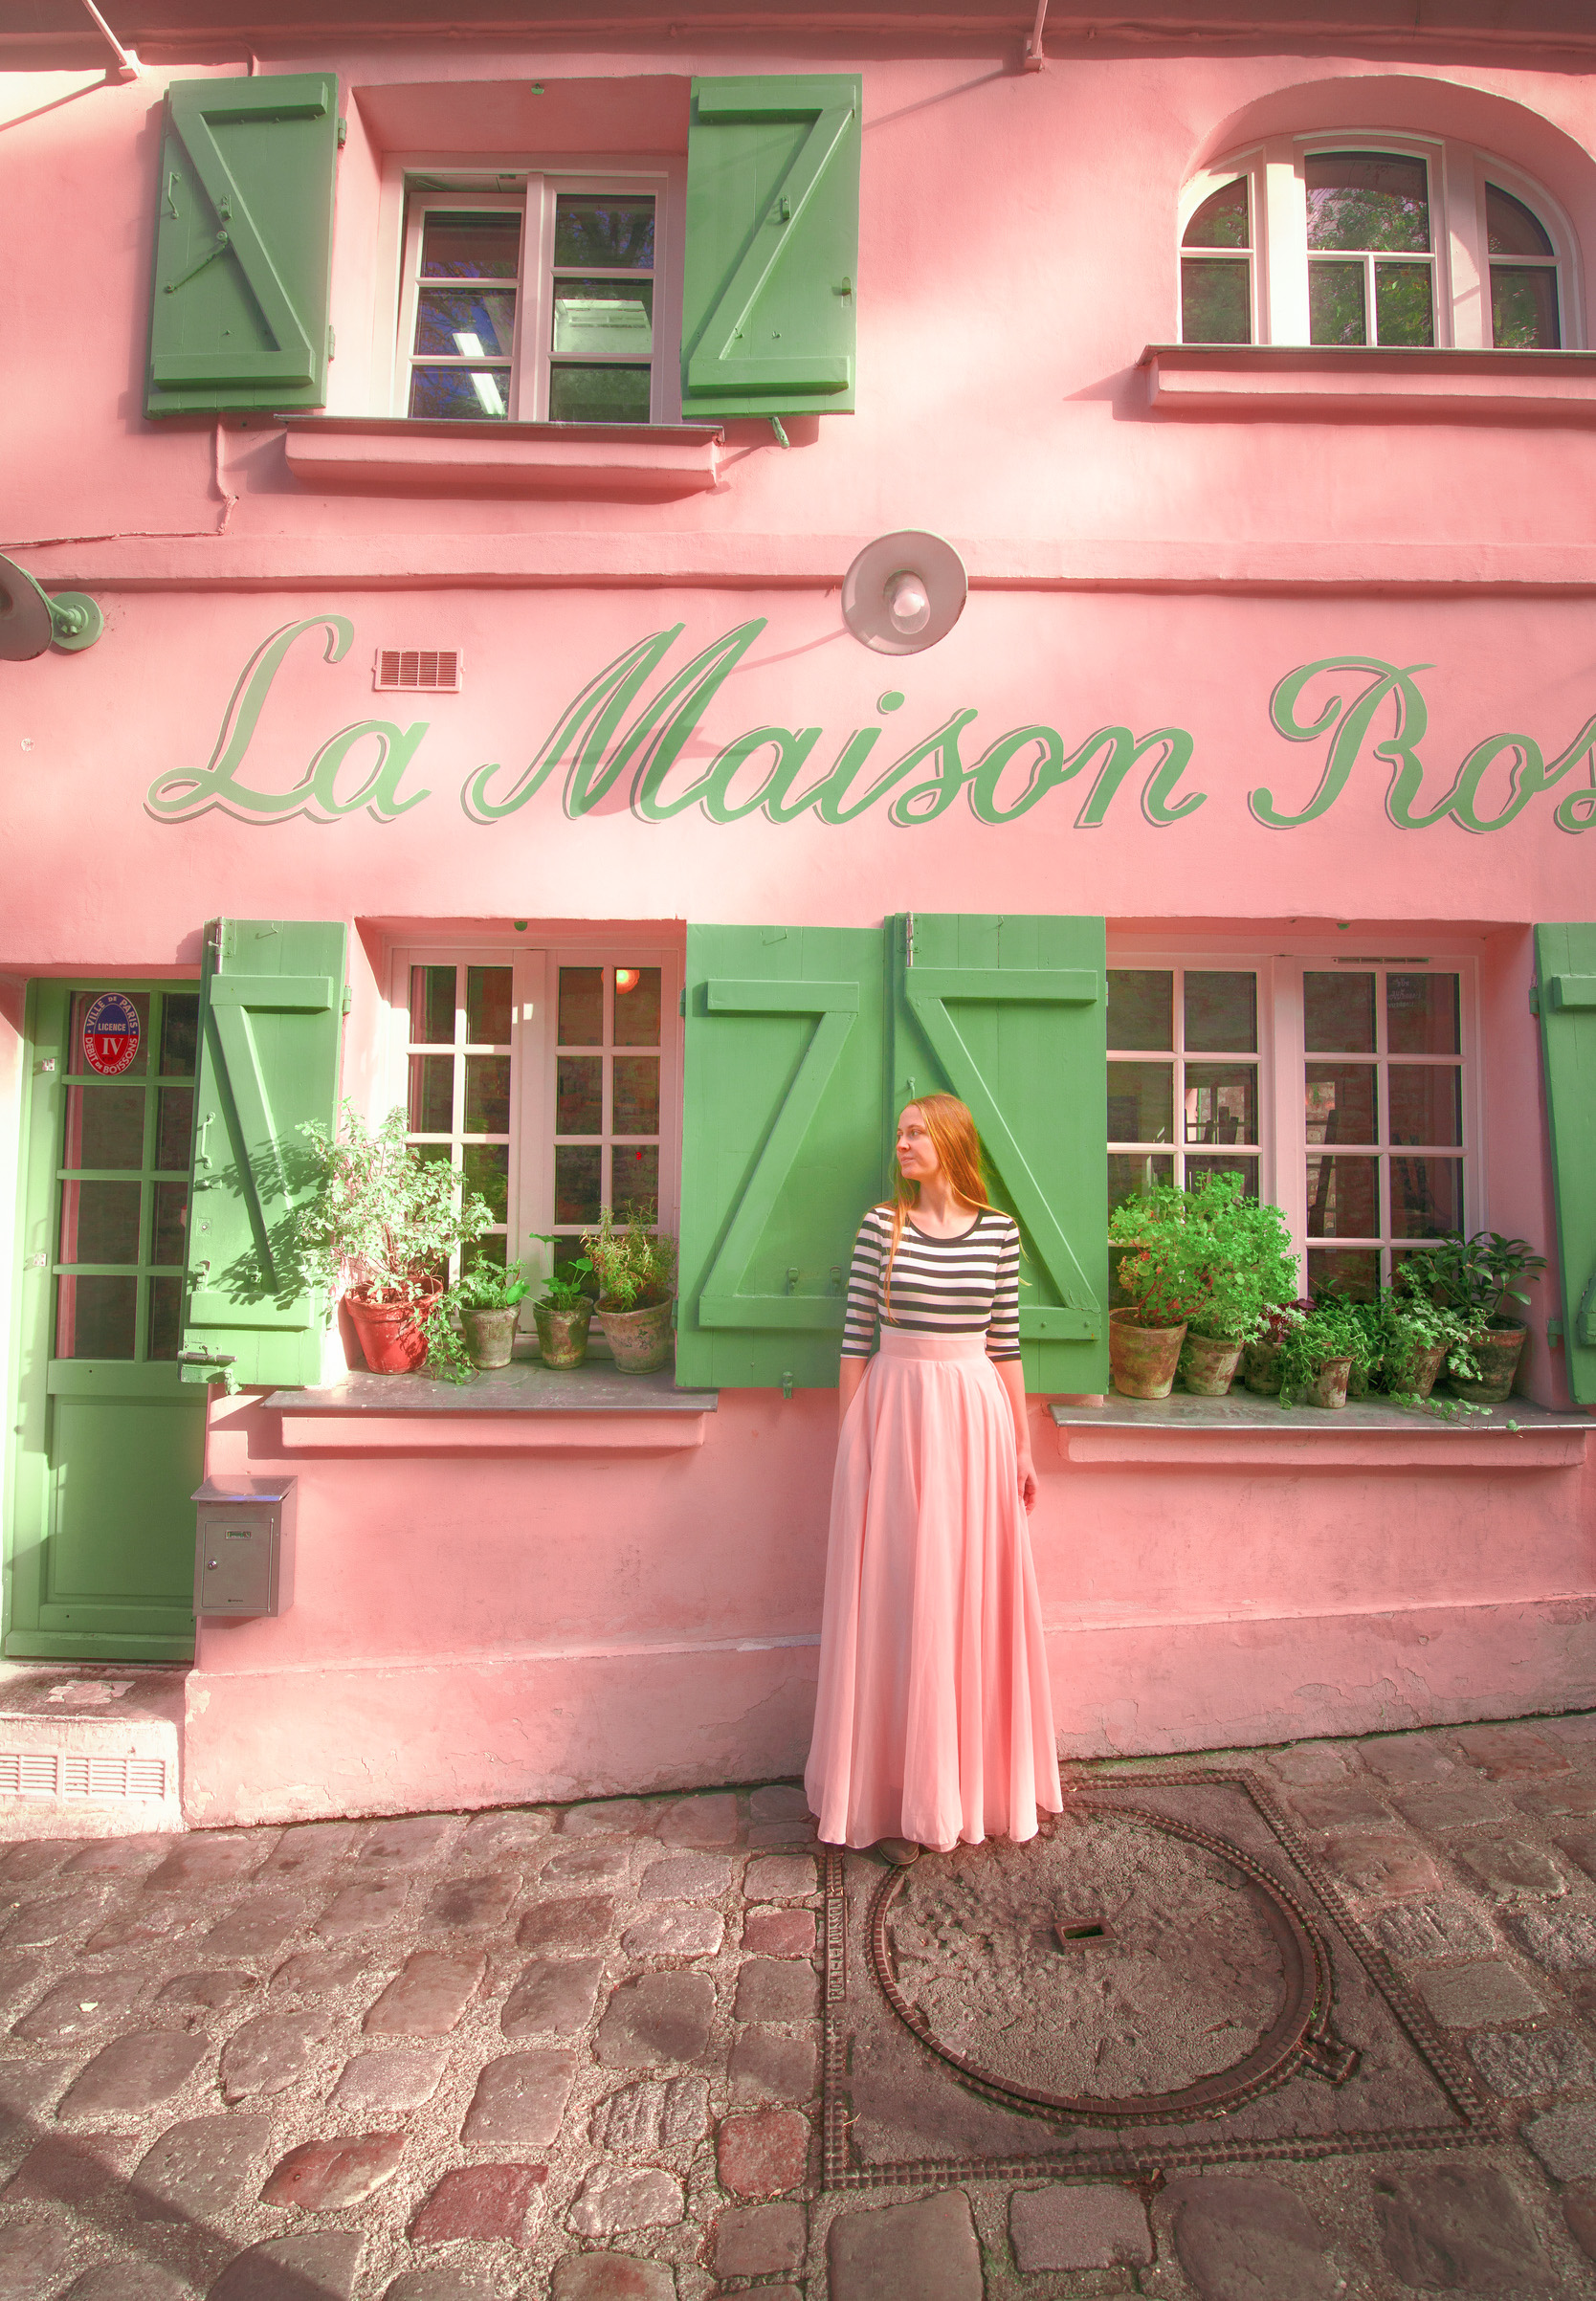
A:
x: 633, y: 721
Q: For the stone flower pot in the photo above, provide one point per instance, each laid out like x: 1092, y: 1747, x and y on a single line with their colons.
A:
x: 390, y: 1333
x: 1414, y: 1373
x: 1209, y: 1365
x: 1142, y: 1360
x: 489, y: 1336
x: 1260, y: 1368
x: 561, y: 1335
x: 640, y: 1339
x: 1328, y: 1388
x: 1496, y: 1352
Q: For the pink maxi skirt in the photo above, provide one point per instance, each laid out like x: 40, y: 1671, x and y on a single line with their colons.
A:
x: 933, y: 1720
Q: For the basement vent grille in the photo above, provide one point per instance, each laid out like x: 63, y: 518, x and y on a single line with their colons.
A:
x: 420, y: 670
x: 71, y: 1774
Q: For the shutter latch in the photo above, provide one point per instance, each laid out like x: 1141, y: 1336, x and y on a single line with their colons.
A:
x: 223, y: 241
x: 1535, y: 998
x: 786, y: 1383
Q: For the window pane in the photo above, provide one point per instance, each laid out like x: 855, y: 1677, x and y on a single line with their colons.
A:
x: 582, y: 1006
x: 578, y: 1169
x: 169, y: 1229
x: 1339, y: 1270
x: 1221, y: 1104
x: 1403, y: 310
x: 1510, y: 227
x: 1216, y: 300
x: 1141, y: 1007
x: 470, y: 247
x: 1344, y: 1198
x: 1339, y: 1102
x: 1426, y: 1104
x: 432, y: 1007
x: 1523, y: 308
x: 638, y: 1007
x: 579, y: 1095
x: 488, y: 1005
x: 637, y: 1095
x: 466, y: 326
x: 174, y: 1128
x: 636, y: 1179
x: 1421, y: 1014
x: 1141, y: 1103
x: 604, y: 319
x: 613, y: 236
x: 166, y: 1318
x: 1335, y: 312
x: 491, y: 1248
x: 1221, y: 222
x: 1427, y: 1197
x: 99, y: 1222
x: 94, y: 1317
x: 179, y: 1033
x: 1248, y: 1169
x: 487, y: 1094
x: 598, y: 395
x: 1221, y: 1013
x: 104, y: 1127
x: 1366, y: 200
x: 1132, y: 1174
x: 486, y: 1169
x: 473, y: 396
x: 431, y: 1109
x: 1338, y: 1013
x: 78, y: 1061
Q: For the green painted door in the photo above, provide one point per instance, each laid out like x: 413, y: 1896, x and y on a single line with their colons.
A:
x: 109, y: 1442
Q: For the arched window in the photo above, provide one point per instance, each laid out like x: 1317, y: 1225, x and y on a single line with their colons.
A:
x: 1374, y: 241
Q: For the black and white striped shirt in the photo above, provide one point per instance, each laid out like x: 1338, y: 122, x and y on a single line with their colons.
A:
x: 968, y: 1285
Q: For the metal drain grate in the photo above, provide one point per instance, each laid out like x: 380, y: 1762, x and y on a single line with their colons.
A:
x: 71, y: 1774
x: 419, y: 670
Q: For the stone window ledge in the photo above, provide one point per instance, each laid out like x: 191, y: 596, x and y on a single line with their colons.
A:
x: 398, y: 455
x: 1286, y: 380
x: 1247, y: 1432
x: 522, y: 1409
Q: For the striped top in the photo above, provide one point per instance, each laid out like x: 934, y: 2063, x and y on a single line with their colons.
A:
x: 968, y: 1285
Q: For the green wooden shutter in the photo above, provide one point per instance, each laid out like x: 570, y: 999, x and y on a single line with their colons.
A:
x: 782, y: 1146
x: 768, y: 298
x: 243, y: 244
x: 1010, y: 1015
x: 1565, y: 972
x: 271, y: 1027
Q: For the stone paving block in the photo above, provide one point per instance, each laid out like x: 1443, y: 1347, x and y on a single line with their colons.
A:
x: 71, y: 2169
x: 1511, y: 1752
x: 1423, y: 1932
x: 613, y: 2277
x: 781, y: 1877
x: 554, y: 1997
x: 777, y: 1989
x: 1476, y: 1997
x: 470, y: 1905
x: 1451, y: 1805
x: 614, y: 2199
x: 258, y: 1928
x: 317, y: 2265
x: 55, y: 1917
x: 195, y: 1997
x: 313, y: 1847
x: 767, y: 2065
x: 928, y: 2249
x: 374, y: 1901
x: 508, y: 1830
x: 387, y: 2080
x: 1508, y: 1866
x: 1096, y: 2225
x: 135, y: 2074
x: 1447, y: 2227
x: 208, y: 1857
x: 327, y: 2177
x: 1579, y: 2211
x: 120, y: 1857
x: 201, y: 2170
x: 270, y: 2051
x: 30, y: 1859
x: 443, y: 2281
x: 761, y: 2156
x: 480, y: 2202
x: 520, y: 2101
x: 708, y: 1819
x: 659, y: 2018
x: 141, y: 1923
x: 33, y: 2256
x: 1406, y: 1758
x: 1580, y: 1845
x: 128, y: 2280
x: 78, y: 2006
x: 650, y: 2115
x: 780, y: 1802
x: 759, y: 2240
x: 428, y: 1995
x: 1519, y: 2064
x: 607, y: 1818
x: 675, y: 1932
x: 1308, y: 1763
x: 1564, y: 2140
x: 1248, y: 2239
x: 769, y: 1933
x: 782, y: 1833
x: 27, y: 2091
x: 686, y: 1877
x: 1561, y: 1938
x: 575, y: 1922
x: 318, y: 1972
x: 1550, y: 1801
x: 407, y: 1839
x: 18, y: 1977
x: 1341, y: 1805
x: 1388, y: 1868
x: 587, y: 1865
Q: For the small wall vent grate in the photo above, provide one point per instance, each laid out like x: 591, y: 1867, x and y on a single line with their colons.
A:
x: 71, y: 1774
x: 418, y: 669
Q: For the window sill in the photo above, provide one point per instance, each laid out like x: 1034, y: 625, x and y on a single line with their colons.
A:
x: 1283, y: 379
x: 1257, y: 1433
x: 398, y: 455
x: 525, y: 1408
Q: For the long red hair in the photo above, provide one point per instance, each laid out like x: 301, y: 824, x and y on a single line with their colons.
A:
x: 958, y: 1147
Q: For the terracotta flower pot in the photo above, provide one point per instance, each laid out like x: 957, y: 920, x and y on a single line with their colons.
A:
x: 1328, y: 1388
x: 1142, y: 1360
x: 1497, y: 1353
x: 1414, y: 1373
x: 1260, y: 1368
x: 561, y: 1335
x: 1209, y: 1365
x: 640, y: 1339
x: 390, y: 1333
x: 489, y: 1336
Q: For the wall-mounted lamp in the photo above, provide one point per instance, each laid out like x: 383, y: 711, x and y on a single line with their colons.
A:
x: 32, y: 619
x: 904, y: 592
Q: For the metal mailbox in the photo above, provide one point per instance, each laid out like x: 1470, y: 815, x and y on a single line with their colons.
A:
x: 244, y: 1547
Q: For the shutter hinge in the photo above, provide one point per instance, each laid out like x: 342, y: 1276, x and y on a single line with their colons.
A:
x: 908, y: 939
x: 332, y: 341
x: 1535, y: 998
x: 1554, y: 1332
x: 786, y: 1383
x: 348, y: 998
x: 343, y: 132
x: 682, y: 1002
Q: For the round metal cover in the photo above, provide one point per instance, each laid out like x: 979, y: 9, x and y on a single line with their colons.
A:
x: 867, y: 590
x: 26, y: 624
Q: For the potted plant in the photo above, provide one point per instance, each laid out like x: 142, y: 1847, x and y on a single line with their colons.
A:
x: 563, y: 1312
x: 489, y: 1299
x: 1260, y: 1361
x: 378, y: 1227
x: 637, y: 1268
x: 1159, y: 1274
x: 1321, y: 1350
x: 1475, y: 1277
x: 1418, y: 1336
x: 1247, y: 1268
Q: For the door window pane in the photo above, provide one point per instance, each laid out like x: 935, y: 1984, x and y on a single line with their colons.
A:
x: 1132, y: 1174
x: 432, y: 1007
x: 1524, y: 308
x: 166, y: 1318
x: 487, y: 1093
x: 604, y: 319
x: 179, y: 1033
x: 484, y: 246
x: 1352, y: 1272
x: 599, y: 395
x: 488, y: 1005
x: 603, y: 234
x: 1339, y: 1102
x: 1343, y: 1197
x: 1427, y: 1197
x: 638, y: 1007
x: 170, y: 1229
x: 636, y: 1179
x: 1336, y: 309
x: 1141, y: 1103
x: 1221, y: 1012
x: 453, y: 323
x: 174, y: 1128
x: 1338, y: 1013
x: 1141, y: 1007
x: 1422, y: 1015
x: 578, y: 1182
x: 1402, y: 309
x: 1221, y: 1103
x: 1427, y: 1102
x: 637, y: 1095
x: 579, y: 1096
x: 104, y: 1127
x: 461, y: 395
x: 486, y: 1167
x: 99, y: 1222
x: 1216, y: 300
x: 431, y: 1109
x: 582, y: 1006
x: 95, y: 1317
x: 1198, y: 1166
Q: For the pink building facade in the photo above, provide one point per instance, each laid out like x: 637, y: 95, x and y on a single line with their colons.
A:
x: 466, y: 439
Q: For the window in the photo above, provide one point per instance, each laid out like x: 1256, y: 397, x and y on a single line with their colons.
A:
x: 460, y: 1069
x: 607, y: 1096
x: 1399, y: 242
x: 1182, y: 1040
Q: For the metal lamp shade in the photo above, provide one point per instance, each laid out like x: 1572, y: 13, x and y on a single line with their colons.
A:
x: 904, y: 592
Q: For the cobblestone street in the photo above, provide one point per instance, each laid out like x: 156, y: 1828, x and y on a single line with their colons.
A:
x: 575, y: 2052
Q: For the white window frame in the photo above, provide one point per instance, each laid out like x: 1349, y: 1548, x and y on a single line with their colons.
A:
x: 1182, y: 962
x: 1278, y: 205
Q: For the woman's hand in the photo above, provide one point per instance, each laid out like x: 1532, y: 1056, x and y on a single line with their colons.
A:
x: 1027, y: 1481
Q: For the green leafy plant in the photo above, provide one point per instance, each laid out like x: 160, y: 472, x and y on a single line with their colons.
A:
x: 1246, y: 1260
x: 1160, y: 1273
x: 1332, y: 1329
x: 1474, y: 1276
x: 380, y: 1221
x: 486, y: 1286
x: 490, y: 1286
x: 565, y: 1289
x: 635, y: 1266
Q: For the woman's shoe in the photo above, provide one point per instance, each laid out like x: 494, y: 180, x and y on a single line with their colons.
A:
x: 899, y: 1852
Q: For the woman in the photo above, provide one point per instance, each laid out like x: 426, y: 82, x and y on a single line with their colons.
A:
x: 933, y: 1723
